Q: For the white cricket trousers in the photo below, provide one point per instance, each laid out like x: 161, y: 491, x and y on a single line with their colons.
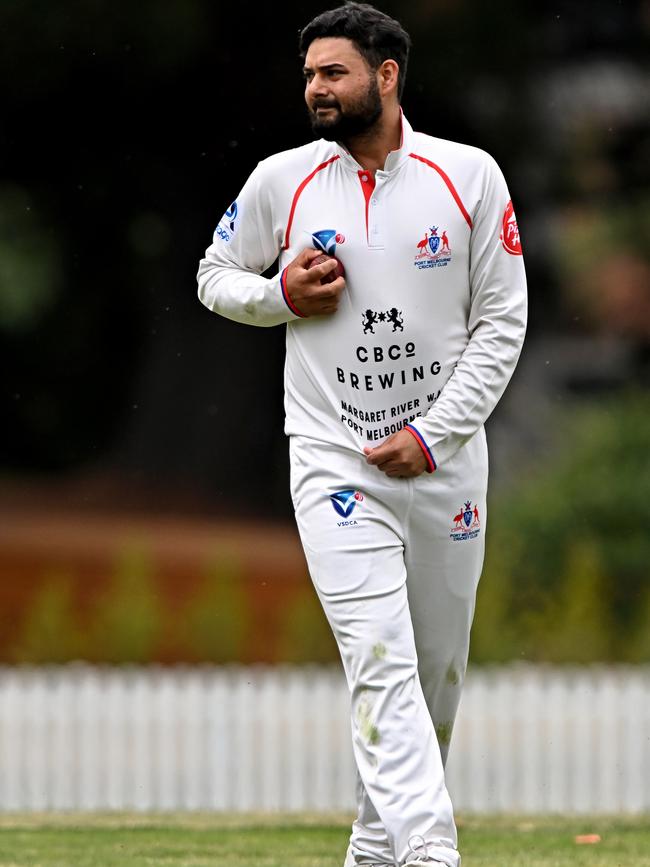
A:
x: 396, y: 564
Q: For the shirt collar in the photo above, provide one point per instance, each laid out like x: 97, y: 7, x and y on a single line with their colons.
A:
x: 393, y: 160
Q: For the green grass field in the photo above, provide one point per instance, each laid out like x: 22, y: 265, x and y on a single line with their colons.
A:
x: 214, y: 840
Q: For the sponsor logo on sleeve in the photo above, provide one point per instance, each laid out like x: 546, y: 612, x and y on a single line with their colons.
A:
x: 467, y: 524
x: 228, y: 223
x: 510, y: 232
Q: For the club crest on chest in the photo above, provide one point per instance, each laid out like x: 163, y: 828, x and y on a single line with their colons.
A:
x: 433, y: 250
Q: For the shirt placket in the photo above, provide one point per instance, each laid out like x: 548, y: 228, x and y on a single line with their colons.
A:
x: 374, y: 218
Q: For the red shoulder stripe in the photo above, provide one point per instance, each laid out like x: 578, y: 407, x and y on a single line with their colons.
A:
x: 296, y: 196
x: 450, y: 186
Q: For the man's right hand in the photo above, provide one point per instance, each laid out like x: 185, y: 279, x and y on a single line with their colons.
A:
x: 304, y: 288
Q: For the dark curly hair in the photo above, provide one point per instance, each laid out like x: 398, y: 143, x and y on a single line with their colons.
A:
x: 377, y: 36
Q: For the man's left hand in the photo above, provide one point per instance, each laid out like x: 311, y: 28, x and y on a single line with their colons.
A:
x: 399, y: 456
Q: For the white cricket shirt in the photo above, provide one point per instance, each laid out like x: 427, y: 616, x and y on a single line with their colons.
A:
x: 432, y: 319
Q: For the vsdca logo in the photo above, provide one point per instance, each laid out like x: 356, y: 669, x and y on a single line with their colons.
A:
x: 326, y: 240
x: 231, y: 216
x: 345, y: 501
x: 227, y: 224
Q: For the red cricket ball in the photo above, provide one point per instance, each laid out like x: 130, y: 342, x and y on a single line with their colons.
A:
x: 339, y: 271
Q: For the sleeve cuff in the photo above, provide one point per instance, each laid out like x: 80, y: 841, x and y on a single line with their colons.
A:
x: 431, y: 464
x: 287, y: 299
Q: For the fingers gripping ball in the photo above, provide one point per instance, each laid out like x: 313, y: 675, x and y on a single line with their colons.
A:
x: 339, y: 271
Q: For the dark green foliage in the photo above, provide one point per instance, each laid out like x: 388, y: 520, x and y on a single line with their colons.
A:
x: 128, y: 618
x: 305, y: 633
x: 215, y: 623
x: 51, y: 633
x: 568, y: 565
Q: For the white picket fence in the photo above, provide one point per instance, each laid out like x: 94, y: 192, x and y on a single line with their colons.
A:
x: 241, y: 739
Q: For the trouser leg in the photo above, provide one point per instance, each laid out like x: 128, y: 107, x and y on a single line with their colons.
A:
x: 393, y: 738
x: 442, y: 661
x: 443, y: 562
x: 357, y: 565
x: 444, y: 558
x: 368, y: 832
x: 443, y: 565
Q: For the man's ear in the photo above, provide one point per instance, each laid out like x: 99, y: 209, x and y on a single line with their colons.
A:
x: 388, y: 77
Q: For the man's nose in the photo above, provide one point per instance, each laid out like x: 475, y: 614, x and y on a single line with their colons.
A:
x: 317, y: 86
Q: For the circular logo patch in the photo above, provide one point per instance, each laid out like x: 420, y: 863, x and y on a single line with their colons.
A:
x: 510, y: 232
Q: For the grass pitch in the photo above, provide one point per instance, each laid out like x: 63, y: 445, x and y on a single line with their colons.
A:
x: 215, y: 840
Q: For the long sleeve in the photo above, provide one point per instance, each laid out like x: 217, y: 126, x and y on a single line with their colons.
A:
x: 246, y: 242
x: 496, y: 326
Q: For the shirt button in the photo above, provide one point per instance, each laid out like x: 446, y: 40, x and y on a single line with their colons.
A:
x: 364, y: 177
x: 374, y: 201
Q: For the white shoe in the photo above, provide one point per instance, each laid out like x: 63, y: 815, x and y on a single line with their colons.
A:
x: 350, y: 862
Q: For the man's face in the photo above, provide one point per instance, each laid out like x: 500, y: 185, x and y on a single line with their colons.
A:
x: 341, y: 90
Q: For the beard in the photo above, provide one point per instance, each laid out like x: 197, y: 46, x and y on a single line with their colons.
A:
x: 355, y: 120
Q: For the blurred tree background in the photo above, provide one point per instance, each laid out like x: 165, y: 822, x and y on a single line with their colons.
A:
x: 127, y: 130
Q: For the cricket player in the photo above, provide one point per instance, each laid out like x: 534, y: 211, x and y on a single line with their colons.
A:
x: 391, y: 370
